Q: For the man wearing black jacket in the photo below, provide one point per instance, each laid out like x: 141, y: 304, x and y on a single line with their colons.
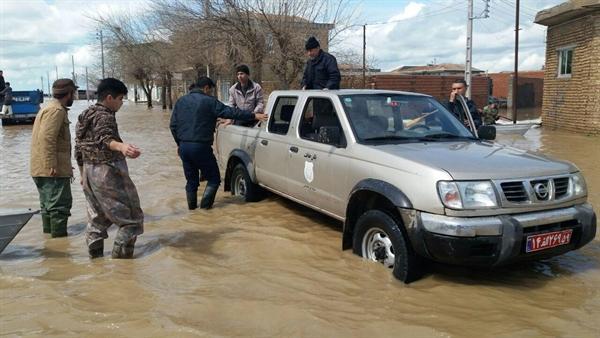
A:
x: 459, y: 87
x: 193, y: 125
x: 321, y: 70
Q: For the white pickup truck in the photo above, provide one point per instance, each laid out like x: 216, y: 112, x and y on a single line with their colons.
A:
x: 409, y: 181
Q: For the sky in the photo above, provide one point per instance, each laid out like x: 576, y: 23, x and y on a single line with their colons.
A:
x: 41, y: 38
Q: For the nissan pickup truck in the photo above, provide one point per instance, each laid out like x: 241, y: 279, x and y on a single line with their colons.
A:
x: 410, y: 182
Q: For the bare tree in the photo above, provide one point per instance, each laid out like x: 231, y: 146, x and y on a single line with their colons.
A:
x: 271, y: 33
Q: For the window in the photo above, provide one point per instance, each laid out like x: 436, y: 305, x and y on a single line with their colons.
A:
x: 318, y: 119
x: 279, y: 122
x: 565, y: 59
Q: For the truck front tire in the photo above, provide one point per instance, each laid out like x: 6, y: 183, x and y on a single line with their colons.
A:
x: 242, y: 185
x: 377, y: 237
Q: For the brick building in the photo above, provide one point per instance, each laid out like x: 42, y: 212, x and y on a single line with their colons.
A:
x: 572, y: 75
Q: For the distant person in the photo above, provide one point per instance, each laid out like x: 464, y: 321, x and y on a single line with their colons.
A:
x: 246, y: 95
x: 7, y: 103
x: 321, y: 70
x: 101, y: 156
x: 193, y: 126
x: 51, y: 158
x: 490, y: 114
x: 459, y: 87
x: 2, y: 85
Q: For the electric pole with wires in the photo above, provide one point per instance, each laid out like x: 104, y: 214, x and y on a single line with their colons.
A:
x: 469, y: 56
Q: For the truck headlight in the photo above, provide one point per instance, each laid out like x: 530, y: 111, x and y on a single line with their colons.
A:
x: 579, y: 188
x: 467, y: 194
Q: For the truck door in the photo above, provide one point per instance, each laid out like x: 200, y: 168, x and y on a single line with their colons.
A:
x: 317, y: 170
x: 272, y: 151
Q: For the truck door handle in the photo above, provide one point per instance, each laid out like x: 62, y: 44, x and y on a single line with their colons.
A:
x: 310, y: 156
x: 264, y: 142
x: 294, y: 149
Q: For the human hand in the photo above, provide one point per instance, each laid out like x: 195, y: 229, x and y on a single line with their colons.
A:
x: 52, y: 172
x: 303, y: 87
x: 226, y: 122
x: 261, y: 116
x: 130, y: 150
x: 452, y: 96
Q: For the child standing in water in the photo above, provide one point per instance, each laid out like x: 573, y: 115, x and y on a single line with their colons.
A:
x: 111, y: 195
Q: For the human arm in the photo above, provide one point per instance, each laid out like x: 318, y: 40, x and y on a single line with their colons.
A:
x: 128, y: 150
x: 173, y: 123
x: 49, y: 129
x: 260, y: 104
x: 334, y: 79
x: 304, y: 82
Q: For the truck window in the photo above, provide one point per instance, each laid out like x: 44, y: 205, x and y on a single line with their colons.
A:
x: 279, y: 121
x: 318, y: 113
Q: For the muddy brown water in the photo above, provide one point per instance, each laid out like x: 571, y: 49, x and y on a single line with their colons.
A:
x: 269, y: 269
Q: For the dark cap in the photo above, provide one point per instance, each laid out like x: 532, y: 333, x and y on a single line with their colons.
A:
x: 63, y: 86
x: 243, y: 69
x: 205, y: 81
x: 311, y: 43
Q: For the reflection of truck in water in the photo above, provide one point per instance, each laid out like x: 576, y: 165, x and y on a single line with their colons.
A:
x: 25, y: 106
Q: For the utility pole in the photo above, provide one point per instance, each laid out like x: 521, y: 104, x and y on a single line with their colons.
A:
x: 469, y: 57
x: 48, y: 79
x: 87, y: 86
x: 56, y: 70
x: 102, y: 52
x: 469, y: 47
x: 73, y: 72
x: 516, y: 75
x: 364, y: 77
x: 42, y: 78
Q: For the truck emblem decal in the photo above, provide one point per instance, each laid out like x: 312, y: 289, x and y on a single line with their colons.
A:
x: 309, y: 175
x: 541, y: 191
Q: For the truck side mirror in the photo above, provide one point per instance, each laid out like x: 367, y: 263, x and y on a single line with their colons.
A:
x: 487, y: 132
x: 330, y: 135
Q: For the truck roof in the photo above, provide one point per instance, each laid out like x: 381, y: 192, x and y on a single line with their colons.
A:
x: 344, y: 92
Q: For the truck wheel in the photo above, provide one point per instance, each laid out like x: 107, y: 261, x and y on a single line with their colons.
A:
x: 242, y: 185
x: 377, y: 237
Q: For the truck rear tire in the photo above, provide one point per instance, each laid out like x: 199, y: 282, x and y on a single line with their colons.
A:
x: 378, y: 238
x: 242, y: 185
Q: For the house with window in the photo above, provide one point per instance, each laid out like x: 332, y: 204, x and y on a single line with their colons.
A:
x: 572, y: 73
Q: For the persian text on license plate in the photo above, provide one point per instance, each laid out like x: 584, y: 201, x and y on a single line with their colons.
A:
x: 548, y: 240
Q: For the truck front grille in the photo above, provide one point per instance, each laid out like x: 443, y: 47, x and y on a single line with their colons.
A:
x: 514, y: 191
x: 561, y: 187
x: 537, y: 190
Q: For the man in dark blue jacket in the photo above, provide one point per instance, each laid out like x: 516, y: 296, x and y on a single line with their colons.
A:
x: 193, y: 125
x: 321, y: 70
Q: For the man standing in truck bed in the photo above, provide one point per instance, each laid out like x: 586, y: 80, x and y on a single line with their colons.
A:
x: 321, y: 70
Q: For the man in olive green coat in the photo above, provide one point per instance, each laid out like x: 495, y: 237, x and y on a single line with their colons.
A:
x: 51, y: 158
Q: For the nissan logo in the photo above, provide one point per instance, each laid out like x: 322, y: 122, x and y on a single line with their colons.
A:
x: 541, y: 190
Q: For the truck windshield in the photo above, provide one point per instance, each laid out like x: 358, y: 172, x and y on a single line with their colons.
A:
x: 394, y: 118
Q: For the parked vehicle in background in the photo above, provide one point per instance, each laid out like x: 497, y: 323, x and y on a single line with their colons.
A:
x: 408, y: 180
x: 25, y: 106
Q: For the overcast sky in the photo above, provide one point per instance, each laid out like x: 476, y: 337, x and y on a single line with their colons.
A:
x: 39, y: 37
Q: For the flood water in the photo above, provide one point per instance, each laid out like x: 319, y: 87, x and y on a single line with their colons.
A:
x: 268, y: 269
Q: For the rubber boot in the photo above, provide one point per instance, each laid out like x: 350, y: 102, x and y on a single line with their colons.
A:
x: 192, y: 200
x: 46, y: 223
x: 208, y: 198
x: 96, y: 249
x: 58, y: 226
x: 123, y: 251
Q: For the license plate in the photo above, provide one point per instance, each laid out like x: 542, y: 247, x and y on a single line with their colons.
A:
x: 548, y: 240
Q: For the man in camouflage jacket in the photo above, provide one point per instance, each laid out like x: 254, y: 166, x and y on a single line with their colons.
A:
x: 111, y: 195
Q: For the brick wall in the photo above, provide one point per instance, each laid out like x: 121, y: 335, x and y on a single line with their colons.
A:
x: 573, y: 103
x: 436, y: 86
